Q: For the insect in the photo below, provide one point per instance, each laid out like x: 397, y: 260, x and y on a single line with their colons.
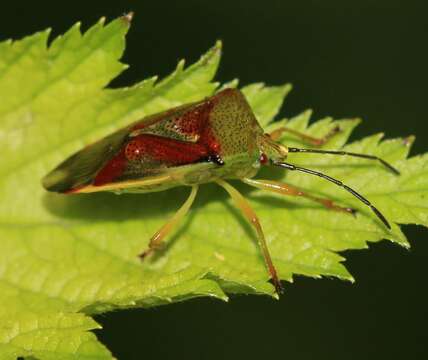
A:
x: 212, y: 140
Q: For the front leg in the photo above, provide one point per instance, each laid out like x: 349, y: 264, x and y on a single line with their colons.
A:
x: 276, y: 135
x: 157, y: 239
x: 285, y: 189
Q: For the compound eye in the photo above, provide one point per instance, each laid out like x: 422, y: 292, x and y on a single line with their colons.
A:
x: 263, y: 159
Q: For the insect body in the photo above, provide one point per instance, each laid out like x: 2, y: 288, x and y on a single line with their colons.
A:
x: 212, y: 140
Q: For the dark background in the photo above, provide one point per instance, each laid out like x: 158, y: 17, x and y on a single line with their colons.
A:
x: 367, y: 59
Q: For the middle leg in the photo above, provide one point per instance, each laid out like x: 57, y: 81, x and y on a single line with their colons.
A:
x: 251, y: 216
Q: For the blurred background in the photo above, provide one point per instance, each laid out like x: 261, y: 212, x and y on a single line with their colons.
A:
x: 366, y: 59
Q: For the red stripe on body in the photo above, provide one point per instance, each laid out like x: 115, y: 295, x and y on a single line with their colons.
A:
x: 146, y: 147
x: 169, y: 151
x: 112, y: 170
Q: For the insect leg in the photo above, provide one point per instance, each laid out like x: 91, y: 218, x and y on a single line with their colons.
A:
x: 157, y: 239
x: 251, y: 216
x: 285, y: 189
x: 338, y: 183
x: 276, y: 135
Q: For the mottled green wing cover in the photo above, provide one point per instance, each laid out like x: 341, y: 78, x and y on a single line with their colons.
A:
x: 63, y: 258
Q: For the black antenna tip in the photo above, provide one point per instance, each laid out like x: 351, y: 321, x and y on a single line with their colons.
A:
x: 381, y: 217
x: 389, y: 167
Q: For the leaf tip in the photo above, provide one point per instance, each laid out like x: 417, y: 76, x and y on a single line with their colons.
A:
x: 222, y: 297
x: 287, y: 87
x: 357, y: 121
x: 406, y: 245
x: 153, y: 79
x: 307, y: 114
x: 234, y: 83
x: 409, y: 140
x: 76, y: 26
x: 213, y: 54
x: 275, y: 296
x: 218, y: 45
x: 127, y: 18
x: 180, y: 65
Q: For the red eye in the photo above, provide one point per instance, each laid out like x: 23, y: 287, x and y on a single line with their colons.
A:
x: 263, y: 159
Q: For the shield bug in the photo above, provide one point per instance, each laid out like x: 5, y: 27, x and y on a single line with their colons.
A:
x: 212, y: 140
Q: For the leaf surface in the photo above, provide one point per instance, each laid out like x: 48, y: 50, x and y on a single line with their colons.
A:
x: 63, y: 258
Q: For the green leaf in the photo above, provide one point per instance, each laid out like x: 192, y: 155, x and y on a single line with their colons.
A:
x: 63, y: 258
x: 265, y: 101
